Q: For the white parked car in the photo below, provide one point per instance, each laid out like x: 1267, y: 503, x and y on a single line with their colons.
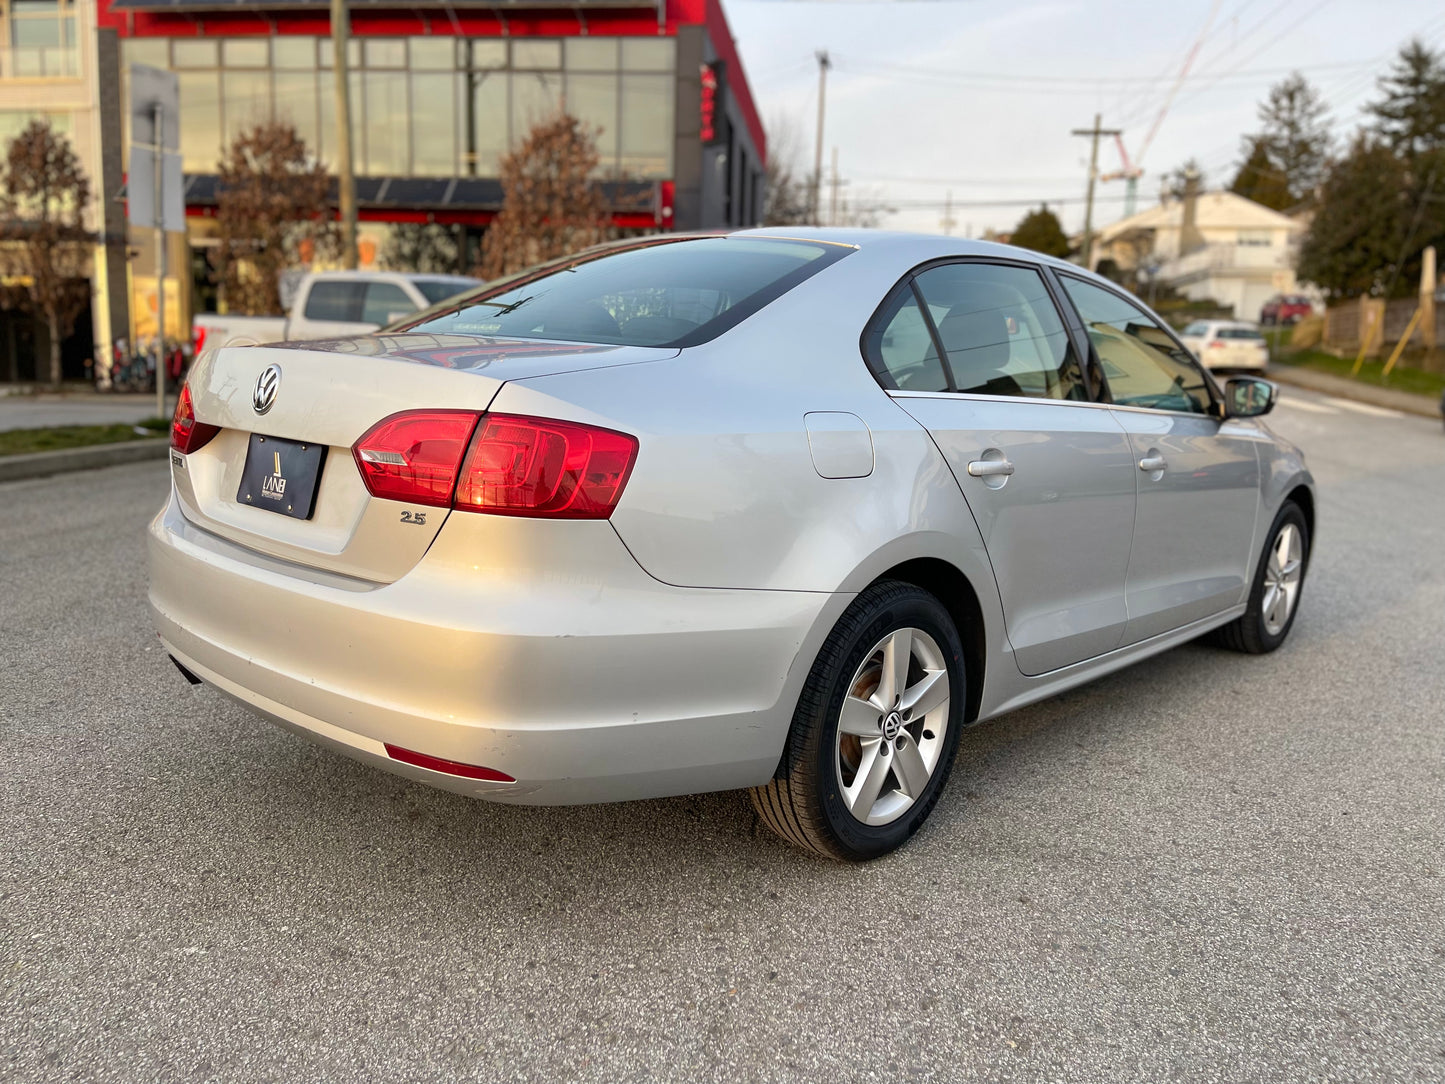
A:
x: 1227, y: 344
x: 331, y: 305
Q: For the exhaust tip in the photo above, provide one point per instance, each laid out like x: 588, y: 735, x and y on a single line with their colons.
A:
x: 184, y: 672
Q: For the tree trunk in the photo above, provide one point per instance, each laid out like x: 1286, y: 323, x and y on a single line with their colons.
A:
x: 54, y: 327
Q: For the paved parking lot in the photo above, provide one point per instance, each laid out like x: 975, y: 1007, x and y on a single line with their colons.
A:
x: 1208, y: 867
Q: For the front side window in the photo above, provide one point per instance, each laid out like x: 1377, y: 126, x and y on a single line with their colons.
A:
x: 677, y: 292
x: 1143, y: 364
x: 385, y: 302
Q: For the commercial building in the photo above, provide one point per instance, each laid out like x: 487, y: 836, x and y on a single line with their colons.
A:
x: 53, y: 66
x: 440, y: 91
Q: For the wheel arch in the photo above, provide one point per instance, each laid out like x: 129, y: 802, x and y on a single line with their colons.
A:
x: 950, y: 586
x: 1303, y: 496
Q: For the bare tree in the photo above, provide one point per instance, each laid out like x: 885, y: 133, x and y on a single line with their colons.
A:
x: 785, y: 199
x: 273, y: 194
x: 550, y: 204
x: 43, y: 240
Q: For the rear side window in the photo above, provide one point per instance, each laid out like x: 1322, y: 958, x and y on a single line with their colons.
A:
x: 676, y: 292
x: 999, y: 331
x: 339, y: 301
x: 385, y: 302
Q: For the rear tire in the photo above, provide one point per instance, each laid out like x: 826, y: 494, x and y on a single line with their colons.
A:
x: 871, y: 702
x: 1264, y: 626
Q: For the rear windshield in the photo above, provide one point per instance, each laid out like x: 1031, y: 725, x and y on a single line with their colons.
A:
x: 675, y: 292
x: 1239, y: 333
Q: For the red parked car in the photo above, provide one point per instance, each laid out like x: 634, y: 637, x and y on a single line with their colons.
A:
x: 1285, y: 309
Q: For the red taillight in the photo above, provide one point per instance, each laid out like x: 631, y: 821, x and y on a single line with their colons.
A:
x: 520, y: 466
x: 187, y: 434
x: 1217, y: 344
x: 450, y: 767
x: 198, y: 334
x: 414, y: 456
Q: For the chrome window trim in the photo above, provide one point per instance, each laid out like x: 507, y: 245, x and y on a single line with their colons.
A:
x: 977, y: 398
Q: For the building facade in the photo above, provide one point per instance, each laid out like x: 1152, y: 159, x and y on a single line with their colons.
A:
x: 440, y: 91
x: 54, y: 65
x: 1216, y: 246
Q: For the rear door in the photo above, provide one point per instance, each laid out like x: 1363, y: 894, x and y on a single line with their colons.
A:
x: 1197, y: 476
x: 977, y: 353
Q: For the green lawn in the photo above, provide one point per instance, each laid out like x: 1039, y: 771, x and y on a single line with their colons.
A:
x: 21, y: 441
x: 1372, y: 372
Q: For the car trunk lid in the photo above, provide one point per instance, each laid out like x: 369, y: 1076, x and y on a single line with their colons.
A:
x: 328, y: 395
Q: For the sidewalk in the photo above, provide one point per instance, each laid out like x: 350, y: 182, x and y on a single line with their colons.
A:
x: 77, y: 408
x: 1326, y: 384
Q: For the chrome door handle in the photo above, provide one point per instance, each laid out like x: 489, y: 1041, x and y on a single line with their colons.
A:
x: 990, y: 468
x: 1150, y: 463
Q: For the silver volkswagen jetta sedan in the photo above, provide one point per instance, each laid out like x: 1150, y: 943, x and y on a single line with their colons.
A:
x: 762, y: 510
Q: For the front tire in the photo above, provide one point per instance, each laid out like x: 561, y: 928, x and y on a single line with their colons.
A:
x: 875, y: 730
x: 1278, y: 583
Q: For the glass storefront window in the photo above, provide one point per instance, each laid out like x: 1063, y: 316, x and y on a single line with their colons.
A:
x: 433, y: 54
x: 592, y: 99
x: 247, y: 99
x: 647, y: 135
x: 482, y: 158
x: 154, y: 52
x: 245, y: 52
x: 536, y: 54
x: 326, y: 101
x: 647, y: 54
x: 293, y: 52
x: 200, y: 121
x: 195, y: 53
x: 591, y: 54
x: 386, y: 125
x: 325, y: 52
x: 384, y: 53
x: 434, y: 124
x: 536, y: 98
x: 296, y: 104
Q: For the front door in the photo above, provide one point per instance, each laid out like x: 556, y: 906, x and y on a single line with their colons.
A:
x: 1197, y: 476
x: 1048, y: 474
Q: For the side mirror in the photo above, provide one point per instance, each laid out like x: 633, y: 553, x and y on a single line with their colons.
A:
x: 1248, y: 397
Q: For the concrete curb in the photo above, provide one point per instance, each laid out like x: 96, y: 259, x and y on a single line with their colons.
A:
x: 43, y: 464
x: 1343, y: 388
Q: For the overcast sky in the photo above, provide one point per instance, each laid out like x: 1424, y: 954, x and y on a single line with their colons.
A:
x: 979, y: 96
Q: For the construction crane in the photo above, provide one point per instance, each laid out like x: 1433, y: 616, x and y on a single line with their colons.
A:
x: 1130, y: 173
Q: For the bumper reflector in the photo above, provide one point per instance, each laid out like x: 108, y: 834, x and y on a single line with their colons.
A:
x: 449, y: 767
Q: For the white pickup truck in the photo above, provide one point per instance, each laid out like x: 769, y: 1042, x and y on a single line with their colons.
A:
x: 333, y: 304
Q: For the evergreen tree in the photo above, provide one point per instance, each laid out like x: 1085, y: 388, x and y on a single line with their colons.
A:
x: 550, y: 206
x: 1296, y: 136
x: 1362, y: 223
x: 1410, y: 114
x: 1260, y: 179
x: 1041, y: 231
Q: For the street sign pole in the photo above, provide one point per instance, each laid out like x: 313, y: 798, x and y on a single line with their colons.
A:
x: 160, y: 266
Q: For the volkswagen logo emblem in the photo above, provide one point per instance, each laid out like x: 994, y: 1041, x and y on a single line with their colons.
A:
x: 267, y: 384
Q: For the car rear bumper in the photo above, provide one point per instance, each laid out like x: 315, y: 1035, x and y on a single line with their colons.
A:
x: 539, y: 649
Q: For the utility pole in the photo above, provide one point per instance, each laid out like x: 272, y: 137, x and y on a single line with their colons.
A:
x: 345, y: 178
x: 823, y: 65
x: 947, y: 222
x: 1093, y: 133
x: 833, y: 199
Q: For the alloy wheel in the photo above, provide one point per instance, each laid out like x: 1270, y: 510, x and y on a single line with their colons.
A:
x: 1282, y: 574
x: 892, y: 726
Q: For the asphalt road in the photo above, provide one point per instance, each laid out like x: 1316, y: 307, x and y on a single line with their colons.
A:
x: 76, y: 408
x: 1209, y: 867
